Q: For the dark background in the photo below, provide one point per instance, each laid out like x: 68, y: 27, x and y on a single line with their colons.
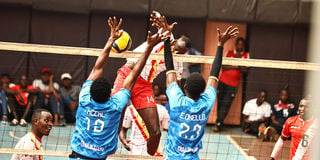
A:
x: 276, y: 30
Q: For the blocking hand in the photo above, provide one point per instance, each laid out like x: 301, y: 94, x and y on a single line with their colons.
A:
x: 115, y: 31
x: 228, y: 34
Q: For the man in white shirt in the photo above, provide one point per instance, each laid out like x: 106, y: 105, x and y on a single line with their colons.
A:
x: 255, y: 112
x: 41, y: 126
x: 137, y: 144
x: 48, y: 95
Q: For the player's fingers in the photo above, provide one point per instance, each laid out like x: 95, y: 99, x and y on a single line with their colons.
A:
x: 119, y: 25
x: 218, y: 32
x: 228, y: 29
x: 149, y: 34
x: 234, y: 30
x: 110, y: 22
x: 114, y: 21
x: 173, y: 24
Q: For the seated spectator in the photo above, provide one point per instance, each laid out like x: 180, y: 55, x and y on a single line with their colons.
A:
x: 282, y: 110
x: 5, y: 83
x: 69, y: 94
x: 41, y: 126
x: 255, y: 112
x: 48, y: 95
x: 24, y: 96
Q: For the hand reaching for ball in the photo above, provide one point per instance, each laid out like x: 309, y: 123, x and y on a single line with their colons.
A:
x: 115, y: 31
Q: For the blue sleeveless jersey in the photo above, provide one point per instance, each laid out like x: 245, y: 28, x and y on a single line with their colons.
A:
x: 187, y: 122
x: 96, y: 130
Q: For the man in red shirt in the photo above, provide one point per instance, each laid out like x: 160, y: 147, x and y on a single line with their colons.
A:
x: 301, y: 129
x: 23, y: 95
x: 228, y: 82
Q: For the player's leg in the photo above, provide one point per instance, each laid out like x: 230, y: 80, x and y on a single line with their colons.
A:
x: 151, y: 120
x: 143, y: 100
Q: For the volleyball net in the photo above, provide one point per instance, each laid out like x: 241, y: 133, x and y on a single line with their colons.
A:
x: 231, y: 143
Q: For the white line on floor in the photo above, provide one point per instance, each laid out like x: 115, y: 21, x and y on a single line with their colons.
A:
x: 240, y: 149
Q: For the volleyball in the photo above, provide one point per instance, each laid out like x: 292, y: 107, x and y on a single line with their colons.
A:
x: 122, y: 44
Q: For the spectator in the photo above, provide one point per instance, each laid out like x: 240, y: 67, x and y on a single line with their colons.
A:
x: 69, y: 94
x: 255, y: 112
x: 282, y: 110
x: 41, y: 126
x: 48, y: 95
x: 189, y: 68
x: 5, y: 79
x: 228, y: 83
x: 137, y: 145
x: 22, y: 95
x: 5, y: 84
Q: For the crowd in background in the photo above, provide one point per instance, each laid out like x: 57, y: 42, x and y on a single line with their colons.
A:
x: 260, y: 118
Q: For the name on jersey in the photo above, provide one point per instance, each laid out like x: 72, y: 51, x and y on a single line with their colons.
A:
x: 193, y: 117
x: 187, y: 149
x: 95, y: 113
x: 91, y: 147
x: 295, y: 127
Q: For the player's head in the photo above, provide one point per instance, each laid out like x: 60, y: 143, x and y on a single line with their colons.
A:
x: 262, y: 96
x: 284, y: 95
x: 195, y: 85
x: 100, y: 90
x: 156, y: 89
x: 240, y: 44
x: 182, y: 45
x: 41, y: 122
x: 45, y: 75
x: 304, y: 108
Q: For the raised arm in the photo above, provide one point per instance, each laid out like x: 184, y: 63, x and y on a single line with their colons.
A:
x: 216, y: 65
x: 115, y: 33
x: 132, y: 77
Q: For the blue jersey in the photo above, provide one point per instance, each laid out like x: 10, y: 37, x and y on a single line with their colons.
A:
x: 187, y: 122
x: 96, y: 130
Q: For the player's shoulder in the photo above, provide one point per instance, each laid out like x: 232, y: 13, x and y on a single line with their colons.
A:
x: 292, y: 119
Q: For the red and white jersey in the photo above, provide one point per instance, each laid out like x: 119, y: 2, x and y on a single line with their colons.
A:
x: 29, y: 142
x: 297, y: 128
x: 154, y: 67
x: 136, y: 137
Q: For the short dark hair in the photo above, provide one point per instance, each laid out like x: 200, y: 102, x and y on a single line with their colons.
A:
x: 240, y: 39
x: 186, y: 40
x: 263, y: 90
x: 100, y: 90
x: 195, y: 85
x: 5, y: 74
x: 37, y: 113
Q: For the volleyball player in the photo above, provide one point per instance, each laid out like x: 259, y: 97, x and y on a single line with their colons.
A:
x: 41, y: 126
x: 142, y: 95
x: 301, y: 129
x: 98, y: 115
x: 189, y: 112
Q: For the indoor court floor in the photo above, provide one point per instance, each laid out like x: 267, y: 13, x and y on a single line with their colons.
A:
x: 230, y: 144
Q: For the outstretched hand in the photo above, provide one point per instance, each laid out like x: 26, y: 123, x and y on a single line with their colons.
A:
x: 228, y: 34
x: 159, y: 22
x: 153, y: 40
x: 115, y: 31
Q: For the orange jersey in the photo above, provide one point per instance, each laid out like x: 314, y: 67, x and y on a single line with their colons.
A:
x: 295, y: 127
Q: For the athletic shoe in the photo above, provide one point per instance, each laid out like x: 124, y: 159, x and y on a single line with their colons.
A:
x: 23, y: 123
x: 14, y: 122
x: 4, y: 119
